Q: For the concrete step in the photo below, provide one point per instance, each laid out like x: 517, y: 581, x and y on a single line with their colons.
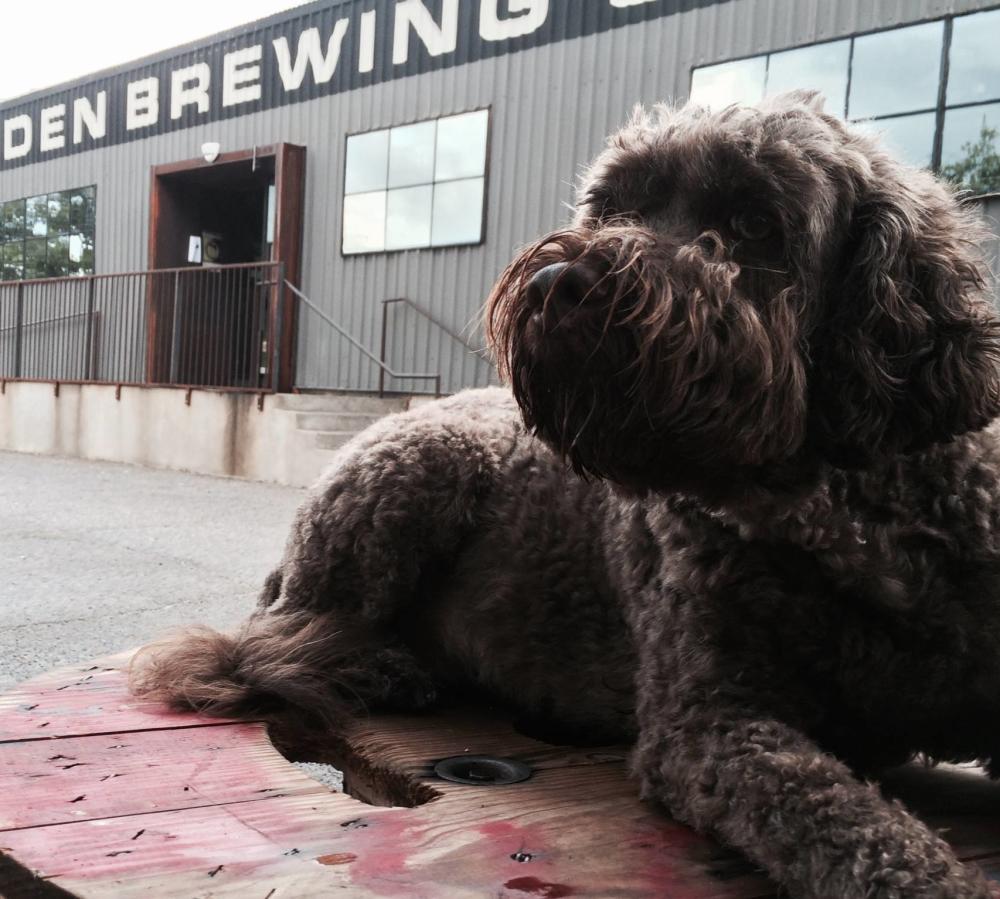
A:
x: 321, y: 423
x: 364, y: 403
x: 332, y: 440
x: 334, y: 421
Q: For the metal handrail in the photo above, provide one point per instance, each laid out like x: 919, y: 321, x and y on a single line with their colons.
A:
x: 431, y: 318
x: 48, y: 321
x: 384, y: 369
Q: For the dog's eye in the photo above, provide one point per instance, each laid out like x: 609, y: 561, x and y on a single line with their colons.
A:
x: 752, y: 225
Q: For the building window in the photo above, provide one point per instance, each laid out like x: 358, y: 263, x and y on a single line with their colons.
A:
x: 419, y: 185
x: 48, y: 236
x: 931, y: 90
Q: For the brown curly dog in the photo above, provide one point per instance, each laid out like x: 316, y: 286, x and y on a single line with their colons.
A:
x: 766, y: 348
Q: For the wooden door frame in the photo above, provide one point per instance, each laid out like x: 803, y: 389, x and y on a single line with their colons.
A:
x: 289, y: 182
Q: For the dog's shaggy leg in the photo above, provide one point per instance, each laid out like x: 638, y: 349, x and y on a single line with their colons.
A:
x: 765, y: 789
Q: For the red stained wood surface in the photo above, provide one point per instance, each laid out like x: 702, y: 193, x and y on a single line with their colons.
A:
x: 69, y: 779
x: 117, y: 799
x: 83, y: 700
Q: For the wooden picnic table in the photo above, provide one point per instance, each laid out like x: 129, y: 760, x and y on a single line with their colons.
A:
x: 105, y: 796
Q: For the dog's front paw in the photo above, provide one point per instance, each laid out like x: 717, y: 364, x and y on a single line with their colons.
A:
x: 799, y: 813
x: 957, y: 882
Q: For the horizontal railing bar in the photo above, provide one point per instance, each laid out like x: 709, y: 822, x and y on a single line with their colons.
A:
x: 48, y: 321
x: 165, y: 385
x: 83, y: 279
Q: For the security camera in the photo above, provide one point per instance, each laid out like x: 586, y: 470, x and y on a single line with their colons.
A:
x: 210, y: 151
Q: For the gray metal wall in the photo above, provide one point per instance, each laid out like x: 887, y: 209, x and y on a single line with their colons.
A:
x: 990, y: 208
x: 551, y: 109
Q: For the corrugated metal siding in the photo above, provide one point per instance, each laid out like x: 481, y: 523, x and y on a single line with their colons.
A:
x: 551, y: 109
x: 990, y: 207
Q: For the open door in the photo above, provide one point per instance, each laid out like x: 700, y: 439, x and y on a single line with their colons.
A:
x: 218, y: 315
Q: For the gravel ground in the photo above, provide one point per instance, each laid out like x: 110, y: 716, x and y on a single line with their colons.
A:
x: 99, y: 557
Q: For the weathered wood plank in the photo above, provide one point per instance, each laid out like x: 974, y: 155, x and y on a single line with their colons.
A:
x: 331, y: 842
x: 81, y: 700
x: 79, y: 778
x: 389, y: 760
x: 257, y: 827
x: 209, y: 845
x: 574, y: 828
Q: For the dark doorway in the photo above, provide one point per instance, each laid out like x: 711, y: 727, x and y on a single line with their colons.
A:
x: 217, y: 308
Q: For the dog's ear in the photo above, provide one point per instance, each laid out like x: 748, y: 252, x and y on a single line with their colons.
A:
x: 907, y: 354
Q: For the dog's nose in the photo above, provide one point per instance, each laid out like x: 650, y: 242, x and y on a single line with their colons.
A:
x: 560, y: 288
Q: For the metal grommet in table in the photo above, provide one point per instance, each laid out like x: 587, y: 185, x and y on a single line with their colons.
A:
x: 482, y: 770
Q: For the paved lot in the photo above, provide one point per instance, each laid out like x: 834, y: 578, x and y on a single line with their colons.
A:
x: 98, y: 557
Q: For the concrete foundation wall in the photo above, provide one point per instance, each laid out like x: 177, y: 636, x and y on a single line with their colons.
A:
x: 217, y: 434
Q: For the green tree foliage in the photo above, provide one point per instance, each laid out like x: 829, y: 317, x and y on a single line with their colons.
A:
x: 979, y: 168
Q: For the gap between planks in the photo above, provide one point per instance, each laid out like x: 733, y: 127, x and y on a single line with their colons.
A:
x: 134, y: 730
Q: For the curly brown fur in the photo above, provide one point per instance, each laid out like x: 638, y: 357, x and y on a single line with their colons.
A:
x: 857, y: 325
x: 768, y: 347
x: 295, y: 669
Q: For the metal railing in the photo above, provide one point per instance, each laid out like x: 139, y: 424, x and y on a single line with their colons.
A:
x: 478, y: 353
x: 384, y: 369
x: 214, y: 327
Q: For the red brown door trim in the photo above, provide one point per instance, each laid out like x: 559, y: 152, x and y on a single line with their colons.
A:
x: 290, y: 183
x: 289, y: 179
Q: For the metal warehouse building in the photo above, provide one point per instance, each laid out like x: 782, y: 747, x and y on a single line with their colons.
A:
x: 320, y: 201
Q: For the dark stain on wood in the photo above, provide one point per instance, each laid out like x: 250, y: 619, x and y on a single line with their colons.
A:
x: 337, y: 858
x: 539, y: 887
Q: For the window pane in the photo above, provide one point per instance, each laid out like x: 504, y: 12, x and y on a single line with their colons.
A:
x: 740, y: 81
x: 461, y: 146
x: 12, y: 226
x: 36, y: 216
x: 367, y: 162
x: 458, y: 212
x: 75, y: 249
x: 408, y: 218
x: 970, y: 147
x: 81, y: 254
x: 57, y: 260
x: 822, y: 68
x: 81, y: 209
x: 59, y: 212
x: 974, y: 64
x: 896, y: 71
x: 13, y: 261
x: 910, y: 138
x: 34, y: 257
x: 411, y: 154
x: 364, y: 222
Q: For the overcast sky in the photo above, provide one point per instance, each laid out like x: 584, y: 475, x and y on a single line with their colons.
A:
x: 46, y: 42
